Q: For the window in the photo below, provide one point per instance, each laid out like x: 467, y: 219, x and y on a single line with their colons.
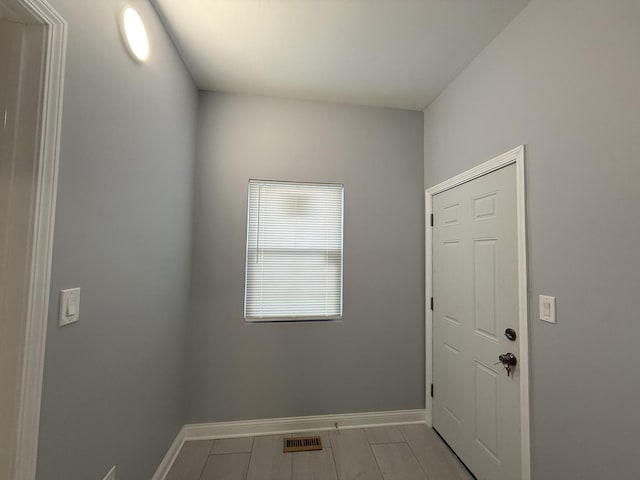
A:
x: 294, y: 251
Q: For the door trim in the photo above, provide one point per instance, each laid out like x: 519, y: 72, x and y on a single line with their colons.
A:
x: 47, y: 140
x: 515, y: 156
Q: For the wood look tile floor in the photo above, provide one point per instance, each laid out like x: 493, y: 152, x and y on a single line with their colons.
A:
x: 405, y: 452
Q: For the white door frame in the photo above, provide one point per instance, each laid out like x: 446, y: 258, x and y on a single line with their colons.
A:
x: 47, y: 142
x: 515, y: 156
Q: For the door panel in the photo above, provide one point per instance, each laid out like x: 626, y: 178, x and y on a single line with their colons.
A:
x: 484, y: 287
x: 476, y: 405
x: 486, y: 394
x: 450, y: 253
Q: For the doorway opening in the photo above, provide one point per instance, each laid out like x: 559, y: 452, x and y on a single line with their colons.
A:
x: 32, y: 46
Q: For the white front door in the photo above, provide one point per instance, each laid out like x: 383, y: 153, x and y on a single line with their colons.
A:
x: 476, y: 403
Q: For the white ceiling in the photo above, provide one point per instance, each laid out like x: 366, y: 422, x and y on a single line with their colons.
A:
x: 391, y: 53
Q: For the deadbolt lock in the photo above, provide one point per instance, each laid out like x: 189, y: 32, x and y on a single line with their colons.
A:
x: 510, y: 333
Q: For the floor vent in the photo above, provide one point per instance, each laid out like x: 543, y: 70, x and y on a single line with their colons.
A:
x: 302, y: 444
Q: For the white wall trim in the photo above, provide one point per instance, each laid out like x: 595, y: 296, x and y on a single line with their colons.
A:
x: 170, y: 457
x: 44, y: 217
x: 273, y: 426
x: 515, y: 156
x: 300, y: 424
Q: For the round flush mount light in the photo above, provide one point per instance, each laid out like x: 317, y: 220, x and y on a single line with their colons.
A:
x: 134, y: 34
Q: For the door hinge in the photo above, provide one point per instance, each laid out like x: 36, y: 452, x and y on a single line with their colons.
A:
x: 432, y: 219
x: 432, y: 390
x: 431, y: 303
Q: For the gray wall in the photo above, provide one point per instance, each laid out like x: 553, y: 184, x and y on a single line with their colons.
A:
x: 564, y: 79
x: 373, y: 359
x: 113, y: 381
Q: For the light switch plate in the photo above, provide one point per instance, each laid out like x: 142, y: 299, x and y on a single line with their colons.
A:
x: 547, y: 308
x: 112, y: 474
x: 69, y: 306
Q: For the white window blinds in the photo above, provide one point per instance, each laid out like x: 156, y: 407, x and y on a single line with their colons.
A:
x: 294, y: 251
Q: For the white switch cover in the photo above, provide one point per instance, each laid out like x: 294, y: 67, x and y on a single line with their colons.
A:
x: 112, y: 474
x: 548, y: 308
x: 69, y: 306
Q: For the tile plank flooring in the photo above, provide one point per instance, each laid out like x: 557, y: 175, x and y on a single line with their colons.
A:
x: 405, y: 452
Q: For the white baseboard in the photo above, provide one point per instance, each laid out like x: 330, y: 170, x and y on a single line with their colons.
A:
x: 170, y: 457
x: 272, y: 426
x: 111, y: 475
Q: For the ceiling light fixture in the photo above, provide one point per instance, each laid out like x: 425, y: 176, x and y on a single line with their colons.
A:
x: 134, y: 34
